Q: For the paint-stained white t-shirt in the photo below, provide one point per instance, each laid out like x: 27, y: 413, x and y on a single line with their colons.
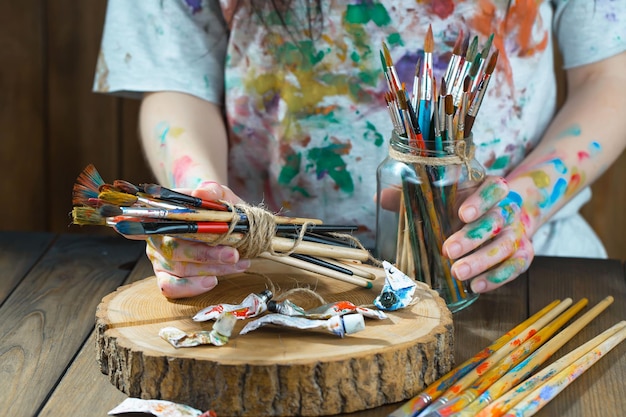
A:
x: 304, y: 96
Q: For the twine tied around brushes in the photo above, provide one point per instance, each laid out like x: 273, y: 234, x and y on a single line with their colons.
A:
x: 261, y: 230
x: 463, y: 155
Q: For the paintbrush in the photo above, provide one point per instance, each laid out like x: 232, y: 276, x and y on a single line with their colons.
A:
x: 449, y: 117
x: 479, y: 93
x: 311, y: 267
x: 282, y: 244
x: 526, y: 367
x: 426, y: 83
x: 87, y: 185
x: 457, y: 86
x: 163, y: 193
x: 391, y: 69
x: 542, y: 395
x: 460, y: 400
x: 462, y: 110
x: 119, y: 198
x: 501, y: 405
x: 484, y: 53
x: 434, y: 390
x: 393, y: 113
x: 415, y: 94
x: 455, y: 59
x: 322, y: 262
x: 212, y: 227
x: 490, y: 362
x: 413, y: 133
x: 161, y: 209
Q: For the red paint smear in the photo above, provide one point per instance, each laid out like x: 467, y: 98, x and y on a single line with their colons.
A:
x: 455, y: 389
x: 520, y: 20
x: 181, y: 166
x: 443, y: 8
x: 482, y: 368
x: 582, y: 155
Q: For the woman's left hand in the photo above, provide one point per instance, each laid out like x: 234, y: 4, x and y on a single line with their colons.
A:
x: 493, y: 247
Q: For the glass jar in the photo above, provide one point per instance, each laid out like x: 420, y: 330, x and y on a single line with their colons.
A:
x: 419, y: 191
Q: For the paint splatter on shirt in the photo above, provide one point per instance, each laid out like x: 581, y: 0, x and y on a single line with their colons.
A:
x: 304, y: 96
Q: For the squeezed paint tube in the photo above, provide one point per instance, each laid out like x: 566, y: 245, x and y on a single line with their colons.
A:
x: 324, y: 311
x: 251, y: 306
x: 158, y: 408
x: 218, y: 336
x: 398, y: 290
x: 337, y: 325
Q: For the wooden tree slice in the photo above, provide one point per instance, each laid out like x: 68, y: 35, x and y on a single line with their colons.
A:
x: 273, y: 371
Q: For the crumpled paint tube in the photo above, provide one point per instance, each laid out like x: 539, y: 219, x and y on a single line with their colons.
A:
x: 324, y: 311
x: 158, y: 408
x: 338, y: 325
x: 398, y: 290
x: 218, y: 336
x: 251, y: 306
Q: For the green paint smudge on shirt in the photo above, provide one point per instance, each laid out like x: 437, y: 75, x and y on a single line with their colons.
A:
x: 395, y: 39
x: 328, y: 161
x: 372, y: 132
x: 501, y: 162
x: 360, y: 14
x: 290, y: 169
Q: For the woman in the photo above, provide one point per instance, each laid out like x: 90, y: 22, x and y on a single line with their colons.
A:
x: 282, y: 103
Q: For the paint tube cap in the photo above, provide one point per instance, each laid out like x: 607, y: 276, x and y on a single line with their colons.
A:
x: 353, y: 323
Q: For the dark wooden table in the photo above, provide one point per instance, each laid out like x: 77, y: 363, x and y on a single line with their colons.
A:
x: 51, y: 284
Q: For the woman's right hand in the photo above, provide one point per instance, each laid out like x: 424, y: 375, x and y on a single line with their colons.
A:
x: 185, y: 268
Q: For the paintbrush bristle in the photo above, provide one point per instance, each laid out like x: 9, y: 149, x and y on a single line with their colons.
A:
x: 117, y: 198
x: 387, y: 55
x: 109, y: 210
x: 475, y: 65
x: 90, y: 178
x: 418, y: 67
x: 87, y: 216
x: 465, y: 45
x: 81, y: 194
x: 126, y: 186
x: 87, y: 185
x: 444, y: 87
x: 402, y: 100
x: 126, y: 227
x: 458, y: 43
x: 492, y: 62
x: 467, y: 83
x: 472, y: 49
x: 487, y: 47
x: 429, y: 42
x: 108, y: 187
x: 449, y: 104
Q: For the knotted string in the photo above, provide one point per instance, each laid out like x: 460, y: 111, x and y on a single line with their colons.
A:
x: 463, y: 155
x: 261, y: 230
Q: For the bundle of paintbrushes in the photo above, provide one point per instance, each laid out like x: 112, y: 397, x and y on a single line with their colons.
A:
x: 141, y: 211
x: 501, y: 379
x: 432, y: 138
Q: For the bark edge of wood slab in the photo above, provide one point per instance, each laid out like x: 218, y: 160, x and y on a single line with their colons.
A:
x: 272, y: 371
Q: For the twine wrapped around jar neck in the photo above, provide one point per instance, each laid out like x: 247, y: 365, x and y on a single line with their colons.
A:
x: 463, y: 155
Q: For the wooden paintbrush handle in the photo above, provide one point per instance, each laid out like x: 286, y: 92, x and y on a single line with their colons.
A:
x: 308, y: 266
x: 281, y: 244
